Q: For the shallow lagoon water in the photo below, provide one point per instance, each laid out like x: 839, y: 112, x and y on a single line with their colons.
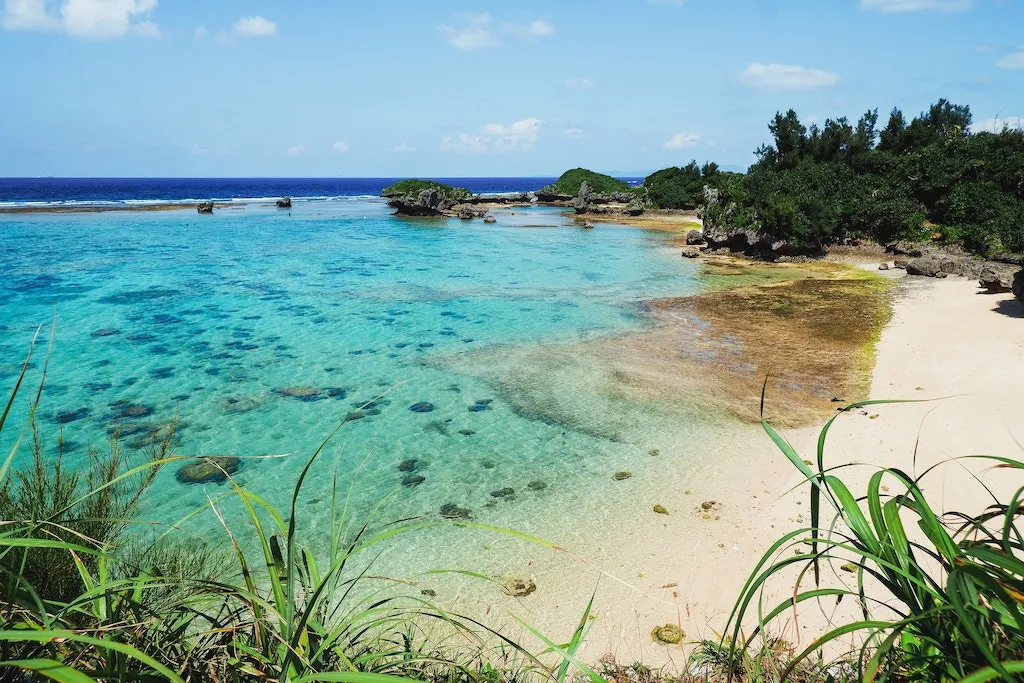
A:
x: 208, y: 318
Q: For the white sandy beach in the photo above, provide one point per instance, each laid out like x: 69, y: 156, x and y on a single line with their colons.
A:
x: 945, y: 340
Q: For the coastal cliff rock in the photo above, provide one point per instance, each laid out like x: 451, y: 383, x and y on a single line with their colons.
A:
x: 1018, y: 286
x: 204, y: 207
x: 423, y: 197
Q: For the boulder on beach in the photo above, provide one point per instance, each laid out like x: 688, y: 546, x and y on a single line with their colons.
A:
x: 490, y: 219
x: 925, y: 266
x: 996, y: 280
x: 695, y: 238
x: 690, y: 252
x: 204, y: 207
x: 284, y: 203
x: 1018, y: 286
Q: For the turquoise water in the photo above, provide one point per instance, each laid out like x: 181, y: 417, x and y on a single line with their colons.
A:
x: 215, y: 320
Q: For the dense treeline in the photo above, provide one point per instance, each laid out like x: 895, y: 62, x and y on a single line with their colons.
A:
x: 907, y: 179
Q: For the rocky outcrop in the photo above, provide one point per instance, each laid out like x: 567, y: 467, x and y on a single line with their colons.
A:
x: 582, y: 202
x: 468, y: 213
x: 695, y: 238
x: 204, y: 207
x: 284, y: 203
x: 996, y: 280
x: 753, y: 243
x: 513, y: 198
x: 1018, y: 286
x: 490, y: 219
x: 423, y: 203
x: 691, y: 252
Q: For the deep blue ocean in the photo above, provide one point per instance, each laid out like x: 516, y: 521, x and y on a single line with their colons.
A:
x: 108, y: 190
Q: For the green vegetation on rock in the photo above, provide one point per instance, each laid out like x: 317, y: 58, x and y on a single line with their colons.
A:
x: 414, y: 186
x: 569, y: 183
x: 682, y: 188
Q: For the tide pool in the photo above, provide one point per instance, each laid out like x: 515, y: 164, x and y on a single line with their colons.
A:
x: 259, y: 330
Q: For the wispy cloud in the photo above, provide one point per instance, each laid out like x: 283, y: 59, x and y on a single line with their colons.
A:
x: 997, y: 125
x: 255, y: 27
x: 403, y: 148
x: 786, y: 77
x: 1014, y: 60
x: 573, y: 133
x: 297, y: 150
x: 682, y: 140
x: 90, y: 19
x: 477, y: 31
x: 580, y: 83
x: 518, y: 136
x: 892, y: 6
x: 340, y: 147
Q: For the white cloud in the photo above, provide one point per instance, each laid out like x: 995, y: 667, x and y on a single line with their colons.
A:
x: 474, y: 32
x: 532, y: 30
x: 403, y: 148
x: 201, y: 32
x: 340, y: 147
x: 514, y: 137
x: 477, y: 31
x: 465, y: 144
x: 573, y: 133
x: 92, y: 19
x: 997, y: 125
x: 681, y: 140
x: 890, y: 6
x: 1012, y: 61
x: 580, y: 83
x: 297, y: 150
x: 255, y: 27
x: 518, y: 136
x: 786, y: 77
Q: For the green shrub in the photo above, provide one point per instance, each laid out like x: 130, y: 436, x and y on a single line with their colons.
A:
x: 413, y: 186
x: 569, y: 183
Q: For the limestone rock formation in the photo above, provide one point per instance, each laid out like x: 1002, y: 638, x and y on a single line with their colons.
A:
x: 1018, y: 286
x: 284, y: 203
x: 204, y: 207
x: 695, y: 238
x: 996, y: 280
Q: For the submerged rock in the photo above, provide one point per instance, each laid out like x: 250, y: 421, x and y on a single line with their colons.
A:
x: 212, y: 469
x: 520, y: 588
x: 620, y: 476
x: 77, y: 414
x: 506, y: 492
x: 410, y: 465
x: 132, y: 410
x: 105, y: 332
x: 661, y: 509
x: 453, y: 511
x: 354, y: 415
x: 467, y: 432
x: 411, y: 480
x: 536, y: 485
x: 301, y: 393
x: 422, y: 407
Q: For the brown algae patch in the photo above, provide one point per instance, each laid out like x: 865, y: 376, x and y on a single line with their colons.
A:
x: 813, y: 338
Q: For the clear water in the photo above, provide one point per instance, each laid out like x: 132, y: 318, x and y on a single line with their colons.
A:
x: 215, y: 315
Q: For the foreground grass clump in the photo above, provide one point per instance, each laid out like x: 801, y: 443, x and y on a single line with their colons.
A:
x: 414, y: 187
x: 569, y: 183
x: 941, y: 597
x: 87, y: 594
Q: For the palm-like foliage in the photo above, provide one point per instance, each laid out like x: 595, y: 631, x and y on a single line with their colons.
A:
x: 951, y: 600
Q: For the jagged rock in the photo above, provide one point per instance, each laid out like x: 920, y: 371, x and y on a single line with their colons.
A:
x: 996, y: 281
x: 204, y: 207
x: 1018, y: 286
x: 754, y: 243
x: 588, y: 226
x: 906, y: 248
x: 513, y: 198
x: 490, y: 219
x: 583, y: 198
x: 691, y: 252
x: 284, y: 203
x: 695, y: 238
x: 900, y: 263
x: 926, y: 266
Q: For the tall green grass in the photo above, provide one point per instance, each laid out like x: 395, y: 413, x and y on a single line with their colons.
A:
x: 941, y: 597
x: 88, y: 593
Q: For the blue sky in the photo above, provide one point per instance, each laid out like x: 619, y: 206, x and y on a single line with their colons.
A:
x: 460, y: 88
